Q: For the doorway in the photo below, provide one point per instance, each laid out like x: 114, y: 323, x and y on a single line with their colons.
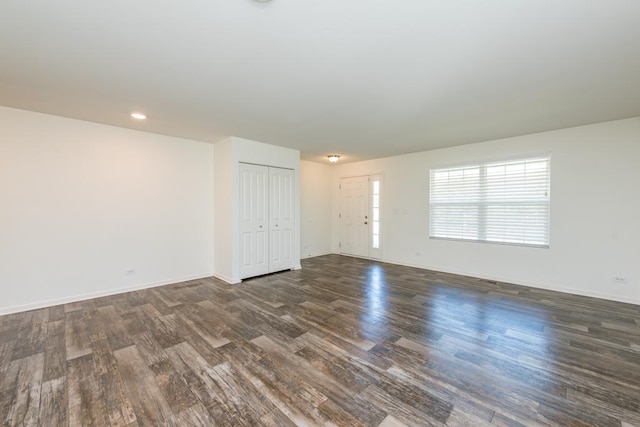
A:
x: 360, y: 216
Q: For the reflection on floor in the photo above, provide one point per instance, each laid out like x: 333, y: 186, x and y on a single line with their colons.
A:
x: 343, y: 341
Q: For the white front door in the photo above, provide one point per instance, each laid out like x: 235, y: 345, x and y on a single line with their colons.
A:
x: 280, y: 219
x: 354, y: 216
x: 254, y: 225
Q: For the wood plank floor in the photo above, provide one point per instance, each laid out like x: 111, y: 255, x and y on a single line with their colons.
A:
x: 343, y: 341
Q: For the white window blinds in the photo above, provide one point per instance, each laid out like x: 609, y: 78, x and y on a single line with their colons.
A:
x: 498, y: 202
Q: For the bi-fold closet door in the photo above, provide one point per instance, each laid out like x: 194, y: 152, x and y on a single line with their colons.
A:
x: 266, y: 219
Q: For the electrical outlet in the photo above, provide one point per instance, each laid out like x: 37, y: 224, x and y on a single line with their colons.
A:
x: 619, y: 279
x: 130, y: 272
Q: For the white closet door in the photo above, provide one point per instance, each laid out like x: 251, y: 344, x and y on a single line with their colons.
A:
x: 281, y: 224
x: 254, y: 224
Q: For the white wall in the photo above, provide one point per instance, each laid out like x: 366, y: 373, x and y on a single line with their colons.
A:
x: 595, y: 212
x: 229, y: 153
x: 226, y: 247
x: 315, y: 201
x: 83, y: 203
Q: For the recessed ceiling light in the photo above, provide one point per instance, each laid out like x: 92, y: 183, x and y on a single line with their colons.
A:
x: 138, y: 116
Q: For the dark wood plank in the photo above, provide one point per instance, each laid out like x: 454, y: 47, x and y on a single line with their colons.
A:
x: 54, y: 402
x: 78, y: 326
x: 114, y: 394
x: 149, y: 404
x: 55, y: 352
x: 86, y: 403
x: 21, y: 390
x: 32, y: 334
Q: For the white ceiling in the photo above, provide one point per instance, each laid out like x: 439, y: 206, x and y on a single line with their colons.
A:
x: 364, y: 78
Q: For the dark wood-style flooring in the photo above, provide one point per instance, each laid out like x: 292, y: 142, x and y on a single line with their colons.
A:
x: 343, y: 341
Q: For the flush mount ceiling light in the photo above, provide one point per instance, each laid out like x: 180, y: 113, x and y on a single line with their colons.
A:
x: 138, y: 116
x: 333, y: 158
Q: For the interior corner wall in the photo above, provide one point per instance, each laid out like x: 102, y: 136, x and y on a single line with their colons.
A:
x: 229, y: 153
x: 225, y: 200
x: 91, y: 210
x: 594, y: 212
x: 315, y: 208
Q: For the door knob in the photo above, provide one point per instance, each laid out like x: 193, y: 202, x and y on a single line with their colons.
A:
x: 365, y: 223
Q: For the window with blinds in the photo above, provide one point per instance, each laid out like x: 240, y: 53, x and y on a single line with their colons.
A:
x: 499, y: 202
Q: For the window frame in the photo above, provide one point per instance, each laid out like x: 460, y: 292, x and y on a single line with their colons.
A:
x: 481, y: 201
x: 376, y: 252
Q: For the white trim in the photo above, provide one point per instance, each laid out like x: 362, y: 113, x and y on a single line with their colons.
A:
x: 298, y: 267
x: 100, y: 294
x: 601, y: 295
x: 376, y: 253
x: 358, y: 257
x: 226, y: 279
x: 373, y: 254
x: 265, y: 165
x: 564, y: 290
x: 492, y: 159
x: 449, y: 199
x: 313, y: 255
x: 489, y: 242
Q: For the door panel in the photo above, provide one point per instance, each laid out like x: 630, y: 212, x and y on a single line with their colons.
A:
x: 354, y: 221
x: 253, y: 220
x: 281, y: 219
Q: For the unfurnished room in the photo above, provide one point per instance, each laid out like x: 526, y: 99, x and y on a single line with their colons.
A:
x: 320, y: 213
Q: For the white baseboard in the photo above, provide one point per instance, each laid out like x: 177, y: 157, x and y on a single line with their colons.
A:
x: 547, y: 287
x: 99, y: 294
x: 315, y: 255
x: 226, y: 279
x: 82, y: 297
x: 566, y: 290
